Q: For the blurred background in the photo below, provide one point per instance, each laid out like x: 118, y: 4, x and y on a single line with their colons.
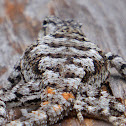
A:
x: 104, y: 23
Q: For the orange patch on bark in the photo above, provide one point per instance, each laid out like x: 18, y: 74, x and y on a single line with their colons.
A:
x: 67, y: 95
x: 45, y: 103
x: 14, y: 9
x: 2, y: 70
x: 15, y: 12
x: 1, y: 20
x: 50, y: 90
x: 36, y: 112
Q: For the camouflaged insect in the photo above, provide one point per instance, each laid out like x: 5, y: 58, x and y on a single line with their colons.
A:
x: 61, y: 73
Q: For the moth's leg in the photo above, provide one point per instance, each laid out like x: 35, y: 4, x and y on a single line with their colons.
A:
x: 117, y: 62
x: 104, y: 107
x: 79, y: 107
x: 54, y: 106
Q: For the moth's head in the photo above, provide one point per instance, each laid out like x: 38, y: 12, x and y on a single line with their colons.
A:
x: 50, y: 24
x: 61, y: 28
